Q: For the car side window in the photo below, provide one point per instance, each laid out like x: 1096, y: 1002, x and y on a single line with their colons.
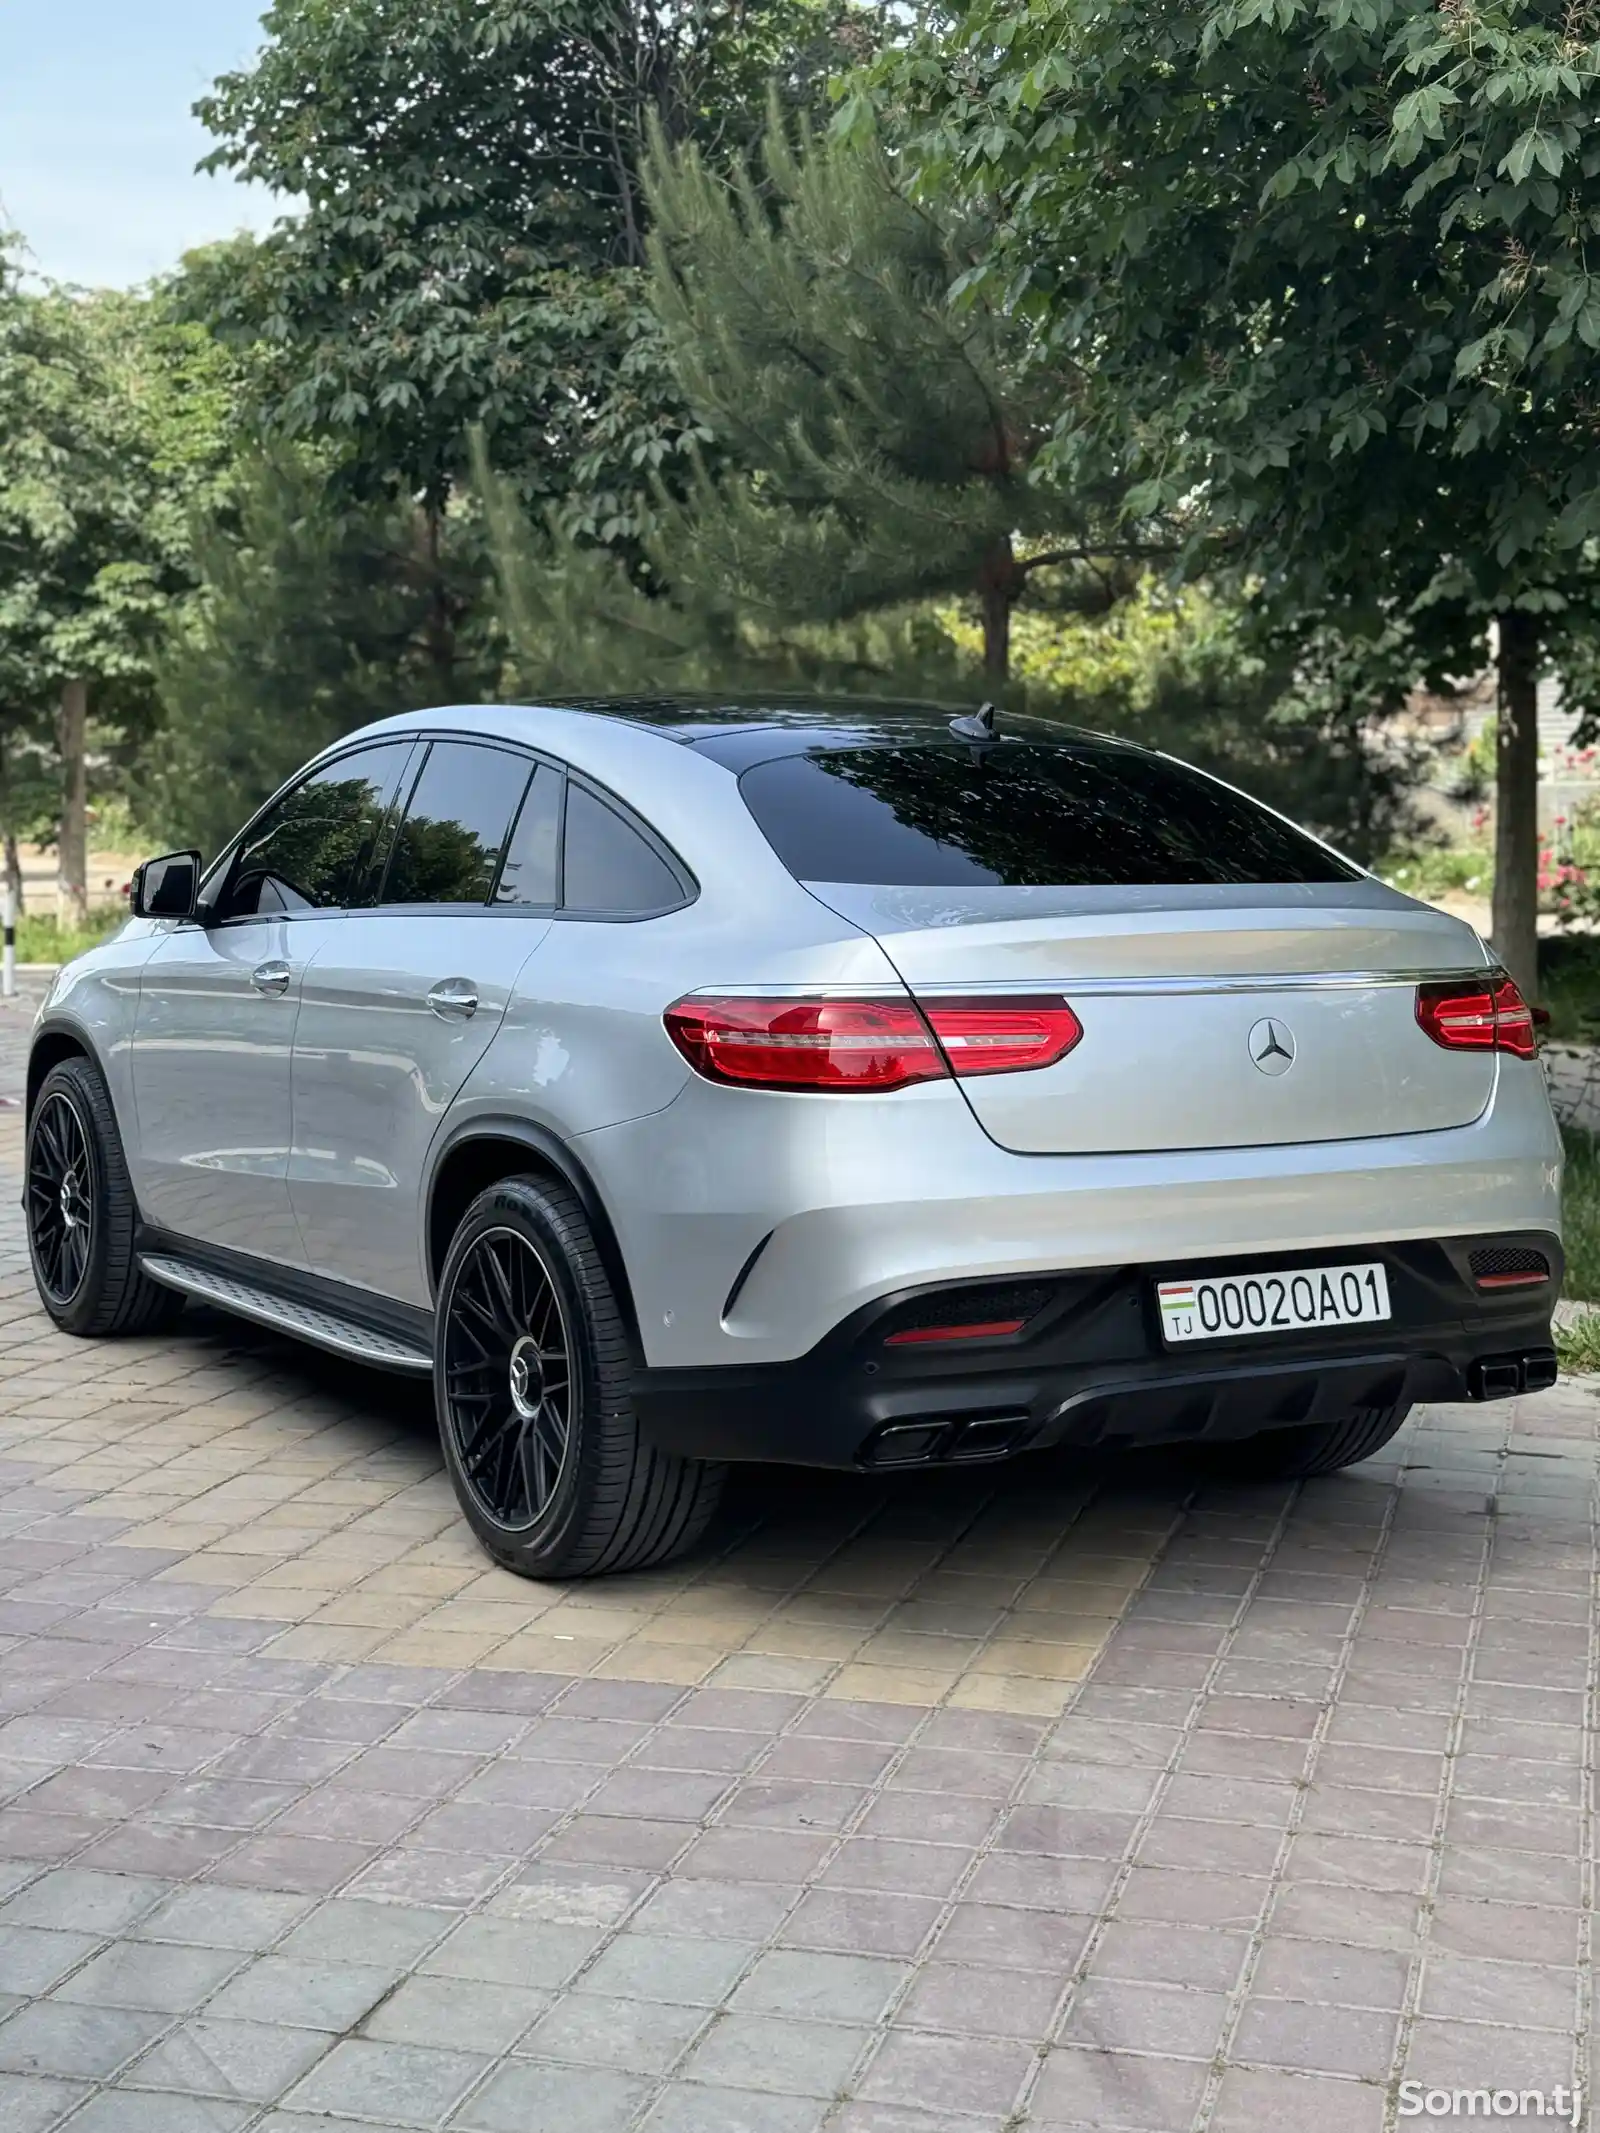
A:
x: 314, y: 848
x: 532, y: 871
x: 609, y: 868
x: 448, y: 846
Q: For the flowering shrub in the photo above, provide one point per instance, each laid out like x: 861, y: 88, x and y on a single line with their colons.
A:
x: 1569, y: 868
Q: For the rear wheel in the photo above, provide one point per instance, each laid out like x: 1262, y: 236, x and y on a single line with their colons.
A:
x: 80, y: 1212
x: 1294, y: 1454
x: 531, y: 1373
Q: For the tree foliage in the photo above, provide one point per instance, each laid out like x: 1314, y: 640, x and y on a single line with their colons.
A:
x: 880, y: 444
x: 112, y: 422
x: 473, y: 225
x: 313, y: 617
x: 1326, y: 266
x: 578, y: 622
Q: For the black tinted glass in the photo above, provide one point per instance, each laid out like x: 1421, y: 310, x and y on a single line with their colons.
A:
x: 609, y: 867
x: 531, y: 873
x: 449, y: 845
x: 1019, y: 815
x: 314, y: 849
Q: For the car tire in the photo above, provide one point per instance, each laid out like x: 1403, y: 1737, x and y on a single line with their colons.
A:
x: 1298, y: 1454
x: 549, y: 1465
x: 81, y: 1233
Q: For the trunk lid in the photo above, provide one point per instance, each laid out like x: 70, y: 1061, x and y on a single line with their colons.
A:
x: 1189, y: 999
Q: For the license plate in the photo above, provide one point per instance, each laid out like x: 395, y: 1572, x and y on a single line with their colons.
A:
x: 1233, y: 1306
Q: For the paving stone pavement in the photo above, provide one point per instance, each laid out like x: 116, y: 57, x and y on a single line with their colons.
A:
x: 1044, y: 1798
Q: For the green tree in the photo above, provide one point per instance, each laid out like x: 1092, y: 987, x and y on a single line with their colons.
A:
x: 882, y: 443
x: 313, y: 615
x: 578, y: 622
x: 471, y: 242
x: 1326, y: 268
x: 108, y: 434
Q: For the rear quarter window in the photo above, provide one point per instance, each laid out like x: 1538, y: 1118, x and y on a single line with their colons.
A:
x: 609, y: 868
x: 1020, y: 815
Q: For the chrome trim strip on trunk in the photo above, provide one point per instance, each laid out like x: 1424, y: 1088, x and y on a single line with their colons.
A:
x: 325, y: 1329
x: 1280, y: 981
x: 1011, y: 988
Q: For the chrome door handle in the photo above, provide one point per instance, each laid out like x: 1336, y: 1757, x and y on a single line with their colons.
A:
x: 271, y: 977
x: 456, y: 999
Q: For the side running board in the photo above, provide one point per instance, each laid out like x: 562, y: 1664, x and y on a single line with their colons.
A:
x: 306, y: 1322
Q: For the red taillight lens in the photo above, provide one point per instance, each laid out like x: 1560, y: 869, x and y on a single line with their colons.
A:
x: 843, y: 1045
x: 1486, y: 1016
x: 836, y: 1045
x: 1003, y: 1036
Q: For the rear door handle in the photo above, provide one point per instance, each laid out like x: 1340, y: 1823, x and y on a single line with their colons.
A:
x: 456, y: 999
x: 271, y: 977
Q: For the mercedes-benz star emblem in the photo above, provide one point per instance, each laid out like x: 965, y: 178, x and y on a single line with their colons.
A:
x: 1272, y: 1047
x: 527, y: 1388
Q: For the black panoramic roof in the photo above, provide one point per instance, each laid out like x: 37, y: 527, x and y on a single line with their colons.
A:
x: 752, y: 728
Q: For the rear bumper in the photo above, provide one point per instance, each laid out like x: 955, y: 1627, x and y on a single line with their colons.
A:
x: 1089, y: 1368
x: 751, y: 1225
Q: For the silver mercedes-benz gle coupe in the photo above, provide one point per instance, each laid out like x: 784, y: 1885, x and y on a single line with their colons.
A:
x: 833, y: 1083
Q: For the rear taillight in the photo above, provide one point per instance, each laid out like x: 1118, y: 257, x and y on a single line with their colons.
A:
x: 1003, y: 1036
x: 1482, y: 1015
x: 845, y: 1045
x: 836, y: 1045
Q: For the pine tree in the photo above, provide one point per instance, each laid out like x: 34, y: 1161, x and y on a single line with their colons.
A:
x: 882, y: 431
x: 578, y: 622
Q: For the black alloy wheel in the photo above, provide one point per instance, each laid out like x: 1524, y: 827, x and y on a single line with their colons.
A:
x: 534, y: 1363
x: 60, y: 1199
x: 81, y: 1214
x: 508, y: 1378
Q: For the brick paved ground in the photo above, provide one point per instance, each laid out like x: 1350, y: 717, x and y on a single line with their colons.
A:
x: 1044, y: 1800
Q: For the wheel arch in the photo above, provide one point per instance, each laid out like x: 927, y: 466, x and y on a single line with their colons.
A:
x: 52, y: 1044
x: 489, y: 1149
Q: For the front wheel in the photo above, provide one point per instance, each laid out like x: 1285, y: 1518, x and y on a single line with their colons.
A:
x: 1298, y: 1454
x: 531, y: 1376
x: 81, y: 1215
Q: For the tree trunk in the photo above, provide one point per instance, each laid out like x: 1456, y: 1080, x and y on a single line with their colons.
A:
x: 10, y: 857
x: 999, y: 582
x: 72, y: 845
x: 441, y: 628
x: 1516, y: 828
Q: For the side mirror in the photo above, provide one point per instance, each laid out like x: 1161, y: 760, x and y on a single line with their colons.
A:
x: 167, y: 887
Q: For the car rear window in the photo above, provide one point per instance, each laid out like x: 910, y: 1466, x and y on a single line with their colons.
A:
x: 1019, y: 815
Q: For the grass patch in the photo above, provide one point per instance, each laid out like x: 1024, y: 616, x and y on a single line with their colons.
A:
x: 1569, y: 985
x: 1578, y: 1345
x: 1459, y: 870
x: 1580, y: 1215
x: 40, y: 939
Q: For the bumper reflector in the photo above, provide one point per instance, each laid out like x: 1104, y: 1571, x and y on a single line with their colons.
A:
x: 990, y: 1329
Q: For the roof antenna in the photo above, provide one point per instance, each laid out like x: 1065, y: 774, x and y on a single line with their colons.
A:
x: 977, y: 725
